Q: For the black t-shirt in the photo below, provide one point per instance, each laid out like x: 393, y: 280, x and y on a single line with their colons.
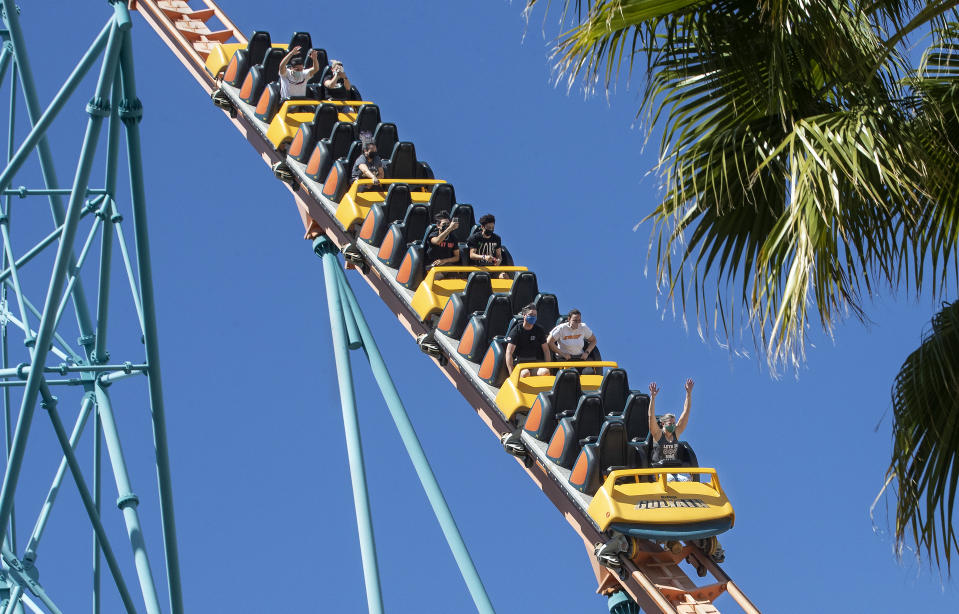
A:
x: 484, y: 246
x: 529, y: 343
x: 375, y: 164
x: 665, y: 450
x: 442, y: 250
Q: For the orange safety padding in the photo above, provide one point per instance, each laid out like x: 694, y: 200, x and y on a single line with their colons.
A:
x: 406, y: 269
x: 314, y: 164
x: 387, y: 248
x: 231, y: 69
x: 330, y: 186
x: 247, y: 87
x: 535, y: 416
x: 297, y: 143
x: 264, y: 103
x: 578, y: 477
x: 446, y: 320
x: 367, y: 230
x: 466, y: 342
x: 557, y: 443
x: 486, y: 368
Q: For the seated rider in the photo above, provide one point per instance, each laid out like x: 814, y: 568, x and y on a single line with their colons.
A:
x: 293, y: 77
x: 526, y: 342
x: 572, y: 340
x: 666, y: 439
x: 337, y: 85
x: 485, y: 246
x: 441, y: 249
x: 369, y: 165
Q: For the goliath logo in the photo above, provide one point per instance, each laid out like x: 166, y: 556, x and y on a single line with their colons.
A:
x: 653, y: 505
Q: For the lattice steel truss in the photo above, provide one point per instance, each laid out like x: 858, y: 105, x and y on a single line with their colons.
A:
x: 81, y: 373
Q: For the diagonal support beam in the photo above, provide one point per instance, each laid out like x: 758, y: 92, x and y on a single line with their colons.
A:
x: 45, y: 330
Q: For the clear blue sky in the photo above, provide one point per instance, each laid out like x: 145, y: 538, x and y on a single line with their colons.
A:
x: 263, y: 502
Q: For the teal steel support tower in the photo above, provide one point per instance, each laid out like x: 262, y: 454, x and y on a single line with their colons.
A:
x: 71, y: 381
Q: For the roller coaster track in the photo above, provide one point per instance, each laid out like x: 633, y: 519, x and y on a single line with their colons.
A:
x: 652, y: 577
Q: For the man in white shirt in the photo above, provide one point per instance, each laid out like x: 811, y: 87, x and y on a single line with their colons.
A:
x: 293, y: 77
x: 572, y: 340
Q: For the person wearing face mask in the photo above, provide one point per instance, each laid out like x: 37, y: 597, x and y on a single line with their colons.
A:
x: 369, y: 165
x: 441, y: 249
x: 666, y: 439
x: 293, y: 76
x: 572, y: 340
x: 526, y: 342
x: 338, y: 85
x: 486, y: 247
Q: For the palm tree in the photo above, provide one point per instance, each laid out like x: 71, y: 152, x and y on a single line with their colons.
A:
x: 804, y: 161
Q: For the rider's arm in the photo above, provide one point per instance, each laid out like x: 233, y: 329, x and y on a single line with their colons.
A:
x: 684, y: 418
x: 510, y: 348
x: 653, y: 425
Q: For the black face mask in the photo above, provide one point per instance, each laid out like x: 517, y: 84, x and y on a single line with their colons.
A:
x: 487, y: 232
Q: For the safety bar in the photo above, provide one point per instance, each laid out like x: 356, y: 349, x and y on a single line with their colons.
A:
x: 620, y: 474
x: 578, y: 364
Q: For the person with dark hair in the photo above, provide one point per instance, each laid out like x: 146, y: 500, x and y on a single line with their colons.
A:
x: 441, y: 249
x: 572, y: 340
x: 526, y: 342
x: 369, y: 165
x: 485, y: 246
x: 293, y: 77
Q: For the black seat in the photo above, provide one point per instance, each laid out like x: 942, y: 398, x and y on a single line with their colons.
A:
x: 261, y: 75
x: 464, y: 213
x: 381, y: 215
x: 523, y: 291
x: 612, y: 451
x: 482, y: 327
x: 575, y: 431
x: 443, y: 198
x: 329, y: 150
x: 400, y: 234
x: 320, y: 127
x: 404, y: 165
x: 547, y: 308
x: 552, y: 406
x: 461, y: 305
x: 386, y: 138
x: 636, y: 417
x: 367, y: 118
x: 613, y: 391
x: 304, y: 41
x: 244, y: 59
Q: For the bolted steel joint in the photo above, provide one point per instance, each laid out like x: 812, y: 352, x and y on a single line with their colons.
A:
x: 22, y: 191
x: 64, y: 368
x: 4, y: 219
x: 49, y: 402
x: 116, y: 218
x: 323, y: 246
x: 86, y: 340
x: 128, y: 500
x: 21, y: 370
x: 131, y: 111
x: 98, y: 107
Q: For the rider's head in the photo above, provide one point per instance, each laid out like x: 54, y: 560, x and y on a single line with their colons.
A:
x: 669, y: 423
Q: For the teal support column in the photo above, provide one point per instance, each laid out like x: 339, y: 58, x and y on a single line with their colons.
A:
x: 45, y: 331
x: 50, y: 405
x: 127, y: 500
x: 131, y: 112
x: 100, y: 355
x: 621, y: 603
x: 12, y: 20
x: 414, y: 448
x: 30, y: 554
x: 351, y: 425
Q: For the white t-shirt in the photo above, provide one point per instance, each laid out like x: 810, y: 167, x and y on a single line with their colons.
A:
x: 573, y: 342
x: 293, y: 83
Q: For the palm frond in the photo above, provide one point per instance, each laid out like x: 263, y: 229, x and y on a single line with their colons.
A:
x: 925, y: 459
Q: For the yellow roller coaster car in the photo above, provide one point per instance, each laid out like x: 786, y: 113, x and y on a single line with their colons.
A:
x: 518, y: 394
x: 662, y: 509
x: 432, y: 294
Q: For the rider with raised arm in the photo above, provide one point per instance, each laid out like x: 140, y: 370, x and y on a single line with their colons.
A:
x: 666, y: 439
x: 293, y: 77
